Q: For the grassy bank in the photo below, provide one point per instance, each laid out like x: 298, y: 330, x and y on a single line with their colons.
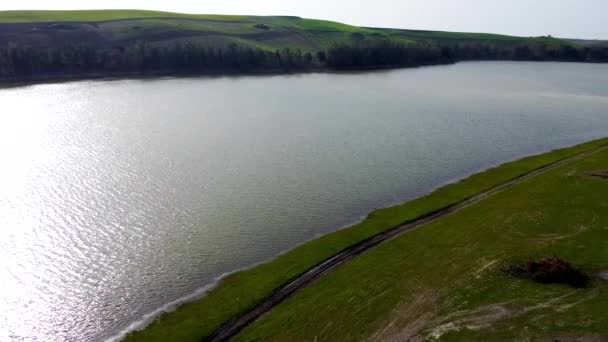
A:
x: 446, y: 280
x: 242, y: 290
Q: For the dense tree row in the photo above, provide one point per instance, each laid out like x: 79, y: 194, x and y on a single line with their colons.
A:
x: 388, y: 53
x: 19, y: 62
x: 23, y: 62
x: 526, y: 52
x: 383, y: 53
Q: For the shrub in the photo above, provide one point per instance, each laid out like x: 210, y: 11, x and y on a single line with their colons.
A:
x: 549, y: 271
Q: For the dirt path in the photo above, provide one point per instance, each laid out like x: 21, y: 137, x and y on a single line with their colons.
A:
x: 233, y: 327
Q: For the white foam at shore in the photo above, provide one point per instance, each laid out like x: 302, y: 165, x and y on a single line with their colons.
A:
x: 171, y: 306
x: 148, y: 318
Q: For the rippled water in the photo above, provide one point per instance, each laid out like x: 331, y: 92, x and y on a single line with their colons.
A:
x: 118, y: 197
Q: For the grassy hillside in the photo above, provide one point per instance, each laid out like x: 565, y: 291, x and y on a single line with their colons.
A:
x: 446, y: 280
x: 59, y: 45
x: 99, y: 15
x: 589, y: 42
x: 240, y: 291
x: 41, y: 28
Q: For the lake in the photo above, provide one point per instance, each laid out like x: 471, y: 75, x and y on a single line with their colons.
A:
x: 118, y: 198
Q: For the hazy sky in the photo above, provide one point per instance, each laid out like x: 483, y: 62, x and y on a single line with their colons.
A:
x: 563, y: 18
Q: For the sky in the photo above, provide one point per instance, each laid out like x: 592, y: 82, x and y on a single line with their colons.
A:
x: 561, y: 18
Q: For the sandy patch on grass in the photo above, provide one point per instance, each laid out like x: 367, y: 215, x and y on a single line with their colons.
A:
x: 477, y: 319
x: 549, y: 238
x: 409, y: 319
x: 487, y: 316
x: 419, y: 320
x: 484, y: 267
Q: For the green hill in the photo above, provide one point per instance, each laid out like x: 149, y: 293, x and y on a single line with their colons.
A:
x: 52, y: 45
x: 42, y: 28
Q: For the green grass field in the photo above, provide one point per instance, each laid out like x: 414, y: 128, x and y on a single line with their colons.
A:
x: 100, y: 15
x: 242, y: 290
x: 116, y: 26
x: 446, y: 279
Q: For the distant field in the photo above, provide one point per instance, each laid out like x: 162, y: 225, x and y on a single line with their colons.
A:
x: 100, y: 15
x: 445, y: 281
x: 108, y: 27
x: 242, y: 290
x: 111, y: 27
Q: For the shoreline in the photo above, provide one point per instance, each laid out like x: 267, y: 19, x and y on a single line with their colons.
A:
x: 235, y: 326
x: 171, y: 307
x: 159, y: 75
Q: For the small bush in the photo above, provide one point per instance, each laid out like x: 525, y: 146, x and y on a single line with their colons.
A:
x: 550, y: 271
x: 600, y: 174
x: 262, y: 27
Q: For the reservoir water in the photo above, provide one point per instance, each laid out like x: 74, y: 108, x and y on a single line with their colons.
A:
x: 120, y: 197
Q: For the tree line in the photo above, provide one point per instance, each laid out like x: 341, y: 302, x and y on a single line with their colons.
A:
x: 18, y: 62
x: 385, y: 53
x: 24, y: 62
x: 392, y: 54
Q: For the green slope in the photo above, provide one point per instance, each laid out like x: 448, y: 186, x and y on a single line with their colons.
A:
x: 446, y: 279
x: 242, y: 290
x: 269, y: 32
x: 100, y: 15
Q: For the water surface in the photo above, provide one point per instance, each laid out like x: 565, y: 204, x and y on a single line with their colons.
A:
x: 118, y: 197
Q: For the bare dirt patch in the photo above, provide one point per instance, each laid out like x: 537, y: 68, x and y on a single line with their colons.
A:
x: 487, y: 316
x: 480, y: 318
x: 551, y: 238
x: 410, y: 319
